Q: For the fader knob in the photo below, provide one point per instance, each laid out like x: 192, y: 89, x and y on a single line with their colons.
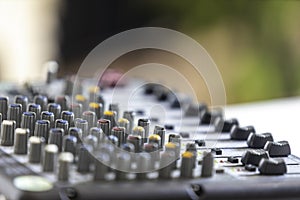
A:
x: 258, y: 141
x: 241, y: 133
x: 272, y: 167
x: 278, y: 149
x: 253, y: 157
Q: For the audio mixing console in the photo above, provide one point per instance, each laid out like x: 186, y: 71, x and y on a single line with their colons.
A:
x: 136, y: 141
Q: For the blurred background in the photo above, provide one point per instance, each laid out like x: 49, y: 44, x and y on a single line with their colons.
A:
x: 255, y: 44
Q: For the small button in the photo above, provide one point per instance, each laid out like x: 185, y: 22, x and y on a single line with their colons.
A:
x: 233, y: 159
x: 217, y: 151
x: 201, y: 143
x: 184, y: 135
x: 250, y: 168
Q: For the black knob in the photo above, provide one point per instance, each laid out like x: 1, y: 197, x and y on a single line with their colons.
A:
x: 272, y: 167
x: 241, y: 133
x: 278, y: 149
x: 254, y: 156
x: 228, y: 124
x: 258, y: 141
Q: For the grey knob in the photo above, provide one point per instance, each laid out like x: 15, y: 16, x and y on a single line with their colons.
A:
x: 76, y: 108
x: 65, y: 159
x: 76, y: 132
x: 139, y: 130
x: 97, y: 108
x: 90, y: 117
x: 124, y: 123
x: 166, y: 166
x: 20, y: 146
x: 136, y: 140
x: 42, y: 129
x: 41, y: 100
x: 3, y: 107
x: 129, y: 115
x: 7, y: 133
x: 101, y: 166
x: 68, y: 116
x: 56, y: 137
x: 69, y: 144
x: 63, y: 124
x: 55, y: 109
x: 50, y: 157
x: 187, y: 162
x: 98, y: 133
x: 161, y: 131
x: 119, y: 132
x: 36, y: 108
x: 45, y: 115
x: 15, y: 113
x: 83, y: 125
x: 111, y: 116
x: 152, y: 148
x: 63, y: 101
x: 35, y: 149
x: 207, y: 164
x: 105, y: 125
x: 143, y: 165
x: 28, y: 121
x: 23, y: 100
x: 84, y: 159
x: 145, y: 123
x: 115, y: 108
x: 123, y: 165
